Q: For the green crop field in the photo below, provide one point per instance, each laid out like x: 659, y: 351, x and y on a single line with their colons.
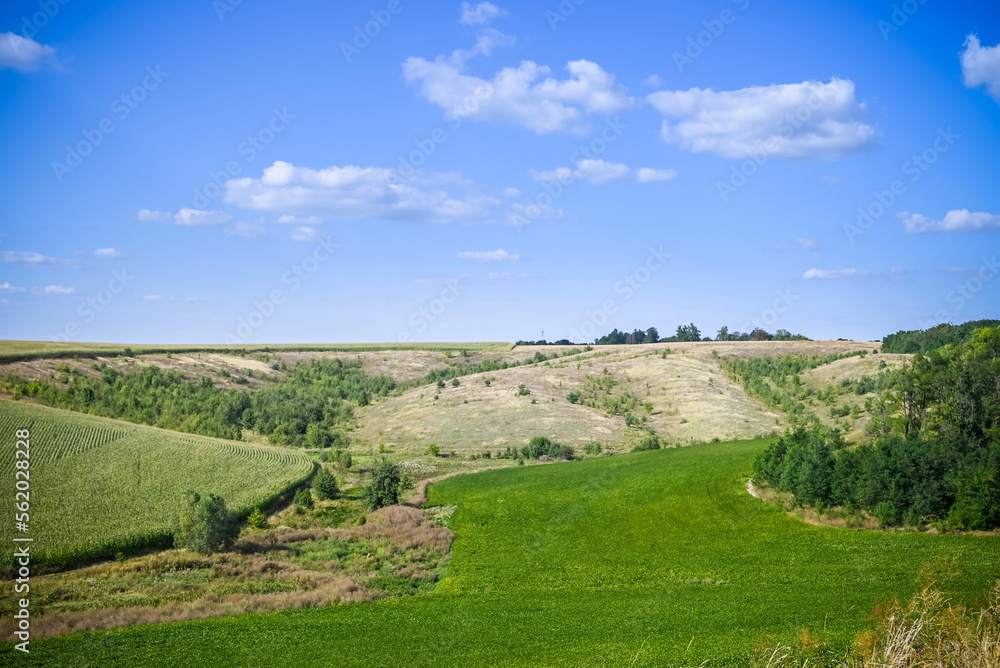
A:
x: 650, y: 559
x: 13, y: 351
x: 99, y: 486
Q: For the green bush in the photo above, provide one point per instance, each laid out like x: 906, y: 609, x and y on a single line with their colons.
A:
x: 325, y: 484
x: 206, y: 525
x: 304, y: 499
x: 433, y: 450
x: 593, y: 448
x: 573, y: 397
x: 540, y: 445
x: 649, y: 442
x: 257, y: 519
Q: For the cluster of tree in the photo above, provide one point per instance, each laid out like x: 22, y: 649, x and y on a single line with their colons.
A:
x: 925, y: 340
x: 309, y: 406
x: 758, y: 334
x: 936, y: 457
x: 691, y: 332
x: 543, y: 342
x: 542, y: 446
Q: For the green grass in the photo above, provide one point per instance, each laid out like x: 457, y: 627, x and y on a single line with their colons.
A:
x: 100, y: 486
x: 651, y: 559
x: 14, y: 351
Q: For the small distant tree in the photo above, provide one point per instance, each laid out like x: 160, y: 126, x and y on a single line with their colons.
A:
x: 522, y: 390
x: 440, y: 384
x: 433, y: 450
x: 384, y: 488
x: 257, y: 519
x: 455, y: 382
x: 344, y: 459
x: 317, y: 436
x: 206, y: 525
x: 325, y: 484
x: 649, y: 442
x: 573, y: 397
x: 760, y: 335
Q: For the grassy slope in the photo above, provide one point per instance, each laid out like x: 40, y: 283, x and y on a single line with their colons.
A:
x: 22, y: 350
x: 91, y: 500
x: 602, y: 562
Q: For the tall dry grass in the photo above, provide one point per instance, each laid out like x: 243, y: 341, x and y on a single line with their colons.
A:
x: 929, y: 631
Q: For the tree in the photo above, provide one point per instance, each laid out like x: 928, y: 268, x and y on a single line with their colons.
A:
x: 688, y: 333
x: 257, y: 519
x: 759, y: 335
x: 325, y: 484
x: 652, y: 335
x: 317, y: 437
x: 304, y: 498
x: 384, y: 488
x: 205, y: 524
x: 723, y: 334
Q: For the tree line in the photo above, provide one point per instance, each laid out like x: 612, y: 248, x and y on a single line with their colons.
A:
x: 925, y: 340
x: 689, y: 332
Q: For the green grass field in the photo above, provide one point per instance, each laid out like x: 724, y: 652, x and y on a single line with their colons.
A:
x: 650, y: 559
x: 99, y: 486
x: 13, y: 351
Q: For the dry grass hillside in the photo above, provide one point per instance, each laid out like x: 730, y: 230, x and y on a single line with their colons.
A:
x: 684, y: 396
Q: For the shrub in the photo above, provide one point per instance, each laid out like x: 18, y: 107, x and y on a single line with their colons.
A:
x: 573, y: 397
x: 205, y: 524
x: 325, y: 484
x: 593, y: 448
x: 522, y: 390
x: 433, y: 450
x: 304, y: 499
x: 455, y: 382
x: 384, y: 488
x: 257, y: 519
x: 440, y: 384
x: 541, y: 446
x: 649, y: 442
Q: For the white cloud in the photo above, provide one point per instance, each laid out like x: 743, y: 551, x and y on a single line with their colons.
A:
x: 960, y: 220
x: 305, y: 235
x: 153, y: 298
x: 598, y: 171
x: 812, y: 120
x: 107, y: 253
x: 300, y: 220
x: 184, y: 217
x: 489, y: 256
x: 481, y: 14
x: 981, y: 65
x: 517, y: 96
x: 650, y: 175
x: 7, y: 288
x: 26, y: 257
x: 21, y: 53
x: 511, y: 192
x: 58, y: 290
x: 523, y: 214
x: 356, y: 193
x: 837, y: 274
x: 254, y: 230
x: 654, y: 81
x: 808, y: 244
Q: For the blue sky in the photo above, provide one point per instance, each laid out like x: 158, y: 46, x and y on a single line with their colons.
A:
x: 207, y: 172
